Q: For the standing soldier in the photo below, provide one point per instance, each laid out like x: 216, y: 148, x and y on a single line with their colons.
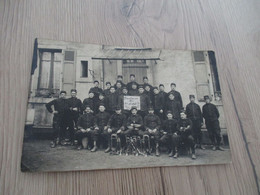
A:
x: 152, y: 128
x: 119, y: 88
x: 173, y: 106
x: 133, y: 91
x: 132, y: 80
x: 193, y: 112
x: 158, y: 103
x: 185, y: 135
x: 176, y: 94
x: 90, y: 101
x: 107, y: 90
x: 116, y: 125
x: 146, y: 82
x: 112, y: 100
x: 144, y: 101
x: 96, y: 89
x: 149, y: 92
x: 170, y: 127
x: 120, y: 79
x: 101, y: 101
x: 101, y: 120
x: 85, y: 129
x: 60, y: 117
x: 211, y: 115
x: 76, y: 108
x: 165, y: 95
x: 121, y: 101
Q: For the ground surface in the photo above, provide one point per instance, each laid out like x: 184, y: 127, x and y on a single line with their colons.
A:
x: 38, y: 156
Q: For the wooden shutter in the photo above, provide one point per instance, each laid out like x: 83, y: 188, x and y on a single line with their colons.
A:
x: 68, y: 71
x: 201, y: 75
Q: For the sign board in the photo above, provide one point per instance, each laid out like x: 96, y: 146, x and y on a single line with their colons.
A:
x: 130, y: 101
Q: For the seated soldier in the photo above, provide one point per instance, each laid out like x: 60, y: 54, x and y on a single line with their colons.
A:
x: 152, y: 125
x: 184, y: 135
x: 134, y: 123
x: 170, y: 127
x: 116, y: 126
x: 101, y: 120
x: 85, y: 128
x: 133, y: 91
x: 90, y: 101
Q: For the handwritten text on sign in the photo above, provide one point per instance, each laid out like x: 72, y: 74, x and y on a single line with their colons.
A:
x: 130, y: 101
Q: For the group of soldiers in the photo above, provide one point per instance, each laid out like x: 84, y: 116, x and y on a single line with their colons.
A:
x: 160, y: 121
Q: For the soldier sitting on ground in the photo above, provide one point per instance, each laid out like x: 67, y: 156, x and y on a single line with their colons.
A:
x: 85, y: 129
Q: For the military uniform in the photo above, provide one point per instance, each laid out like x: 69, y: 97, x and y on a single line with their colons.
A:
x: 74, y: 114
x: 121, y: 104
x: 211, y: 115
x: 185, y: 134
x: 135, y: 120
x: 152, y: 121
x: 106, y: 92
x: 177, y: 97
x: 61, y: 119
x: 111, y: 102
x: 98, y: 103
x: 144, y: 104
x: 173, y: 106
x: 193, y: 112
x: 169, y: 127
x: 129, y: 85
x: 89, y: 102
x: 85, y: 121
x: 159, y: 104
x: 101, y: 121
x: 133, y: 92
x: 96, y: 91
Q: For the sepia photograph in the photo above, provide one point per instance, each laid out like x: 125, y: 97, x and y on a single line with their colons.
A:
x: 107, y: 107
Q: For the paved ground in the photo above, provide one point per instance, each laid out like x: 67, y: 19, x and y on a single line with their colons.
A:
x: 38, y: 156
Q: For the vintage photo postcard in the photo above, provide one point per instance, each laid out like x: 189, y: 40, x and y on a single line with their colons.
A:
x: 107, y: 107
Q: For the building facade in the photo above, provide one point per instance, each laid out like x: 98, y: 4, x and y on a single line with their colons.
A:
x: 67, y: 65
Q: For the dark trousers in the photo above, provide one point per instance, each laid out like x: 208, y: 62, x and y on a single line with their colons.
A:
x: 60, y: 124
x: 80, y: 135
x: 214, y: 131
x: 153, y: 136
x: 72, y: 123
x: 167, y: 140
x: 196, y: 130
x: 187, y: 139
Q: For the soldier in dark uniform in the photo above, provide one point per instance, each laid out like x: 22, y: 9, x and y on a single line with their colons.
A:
x: 146, y: 82
x: 148, y: 90
x: 132, y: 80
x: 193, y: 112
x: 161, y: 89
x: 90, y: 101
x: 152, y: 125
x: 173, y: 106
x: 119, y: 88
x: 121, y: 101
x: 101, y: 120
x: 85, y: 129
x: 169, y: 129
x: 120, y: 79
x: 76, y: 109
x: 96, y: 89
x: 107, y: 90
x: 60, y: 118
x: 116, y: 125
x: 144, y: 101
x: 158, y: 103
x: 112, y: 100
x: 184, y: 135
x: 134, y: 123
x: 211, y: 115
x: 133, y: 91
x: 101, y: 101
x: 176, y: 94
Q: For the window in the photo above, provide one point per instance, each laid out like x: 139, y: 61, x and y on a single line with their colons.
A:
x: 84, y: 69
x: 49, y: 72
x: 135, y: 61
